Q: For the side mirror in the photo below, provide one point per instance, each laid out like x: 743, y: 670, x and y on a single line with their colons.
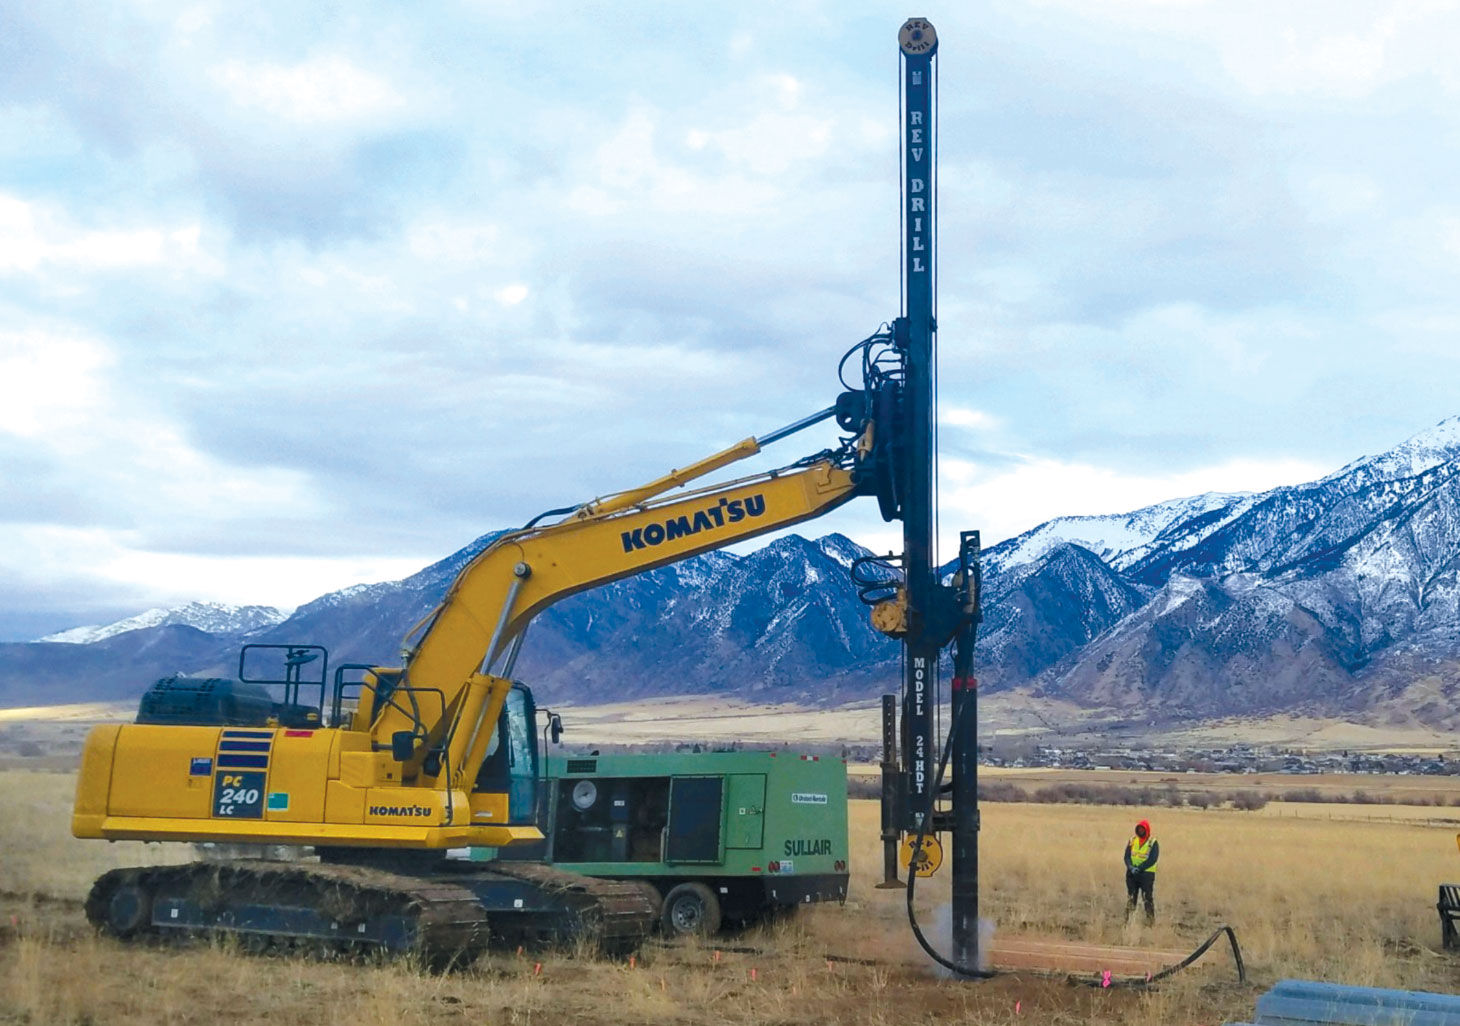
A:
x: 403, y: 745
x: 555, y: 731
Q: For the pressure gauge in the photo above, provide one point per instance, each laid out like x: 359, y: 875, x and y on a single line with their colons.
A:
x: 585, y: 793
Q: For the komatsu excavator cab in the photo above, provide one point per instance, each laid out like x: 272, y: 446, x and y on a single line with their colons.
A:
x: 512, y: 765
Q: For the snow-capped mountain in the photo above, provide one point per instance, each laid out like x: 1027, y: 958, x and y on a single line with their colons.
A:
x: 1341, y: 595
x: 1418, y: 453
x: 1041, y: 612
x: 209, y: 617
x: 1117, y: 538
x: 1334, y: 594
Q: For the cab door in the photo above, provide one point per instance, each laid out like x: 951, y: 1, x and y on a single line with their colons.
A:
x: 511, y: 765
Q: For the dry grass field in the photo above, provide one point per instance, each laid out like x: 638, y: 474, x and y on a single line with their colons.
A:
x: 1328, y: 789
x: 1336, y: 900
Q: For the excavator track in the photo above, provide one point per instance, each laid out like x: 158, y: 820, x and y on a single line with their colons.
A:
x: 332, y: 910
x: 617, y: 915
x: 315, y: 908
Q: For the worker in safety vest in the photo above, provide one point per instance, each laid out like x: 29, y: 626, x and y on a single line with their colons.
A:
x: 1141, y: 853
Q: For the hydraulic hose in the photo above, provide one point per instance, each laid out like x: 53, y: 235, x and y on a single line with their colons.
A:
x: 912, y: 875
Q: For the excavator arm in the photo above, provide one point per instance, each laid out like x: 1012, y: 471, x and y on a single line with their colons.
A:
x: 497, y: 594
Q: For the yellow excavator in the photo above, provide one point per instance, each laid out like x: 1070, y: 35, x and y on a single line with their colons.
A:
x: 385, y: 773
x: 387, y: 769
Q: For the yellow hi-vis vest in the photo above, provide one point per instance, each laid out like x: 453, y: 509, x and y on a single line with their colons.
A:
x: 1140, y: 851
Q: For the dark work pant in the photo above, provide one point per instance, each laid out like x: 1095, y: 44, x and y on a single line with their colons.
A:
x: 1143, y: 884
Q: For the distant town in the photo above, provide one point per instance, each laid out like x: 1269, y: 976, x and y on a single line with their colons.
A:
x: 1247, y: 759
x: 1233, y: 759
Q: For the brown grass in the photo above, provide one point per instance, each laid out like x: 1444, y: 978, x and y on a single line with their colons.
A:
x: 1432, y: 799
x: 1350, y: 901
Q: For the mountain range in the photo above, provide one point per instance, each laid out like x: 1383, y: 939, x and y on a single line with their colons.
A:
x: 1336, y: 597
x: 212, y: 617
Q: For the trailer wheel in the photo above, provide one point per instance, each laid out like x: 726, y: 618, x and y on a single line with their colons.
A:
x: 691, y: 909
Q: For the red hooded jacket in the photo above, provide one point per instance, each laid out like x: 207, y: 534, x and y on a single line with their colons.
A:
x: 1149, y: 866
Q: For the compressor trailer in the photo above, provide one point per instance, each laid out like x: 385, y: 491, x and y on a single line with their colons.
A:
x: 724, y: 838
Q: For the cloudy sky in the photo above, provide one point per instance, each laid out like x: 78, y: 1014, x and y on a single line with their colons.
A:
x: 294, y: 296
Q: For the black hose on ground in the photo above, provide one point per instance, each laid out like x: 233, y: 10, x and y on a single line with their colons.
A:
x: 1124, y: 981
x: 1138, y: 982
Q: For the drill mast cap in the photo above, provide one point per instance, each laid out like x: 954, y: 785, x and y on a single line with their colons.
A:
x: 917, y: 36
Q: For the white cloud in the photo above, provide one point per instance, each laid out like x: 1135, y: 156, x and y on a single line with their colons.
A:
x: 1006, y: 502
x: 36, y: 236
x: 965, y: 417
x: 1290, y: 61
x: 179, y: 477
x: 49, y: 381
x: 192, y: 20
x: 1321, y: 48
x: 1447, y: 227
x: 1336, y: 196
x: 780, y: 136
x: 319, y: 91
x: 627, y: 159
x: 629, y: 172
x: 454, y: 241
x: 511, y: 295
x: 1158, y: 224
x: 772, y: 143
x: 125, y: 460
x: 108, y: 562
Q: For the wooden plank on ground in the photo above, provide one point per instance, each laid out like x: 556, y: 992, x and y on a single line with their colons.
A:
x: 1054, y: 955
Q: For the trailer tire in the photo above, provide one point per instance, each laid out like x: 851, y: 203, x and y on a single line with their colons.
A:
x: 691, y: 909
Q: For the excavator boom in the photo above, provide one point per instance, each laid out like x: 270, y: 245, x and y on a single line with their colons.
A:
x: 495, y: 597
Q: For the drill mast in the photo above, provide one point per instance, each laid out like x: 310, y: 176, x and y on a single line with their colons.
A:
x: 937, y: 614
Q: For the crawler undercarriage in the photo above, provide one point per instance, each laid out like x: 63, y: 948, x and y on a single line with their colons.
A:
x: 451, y: 912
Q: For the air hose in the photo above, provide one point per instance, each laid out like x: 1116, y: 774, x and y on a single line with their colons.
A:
x: 912, y: 874
x: 984, y: 974
x: 1139, y: 982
